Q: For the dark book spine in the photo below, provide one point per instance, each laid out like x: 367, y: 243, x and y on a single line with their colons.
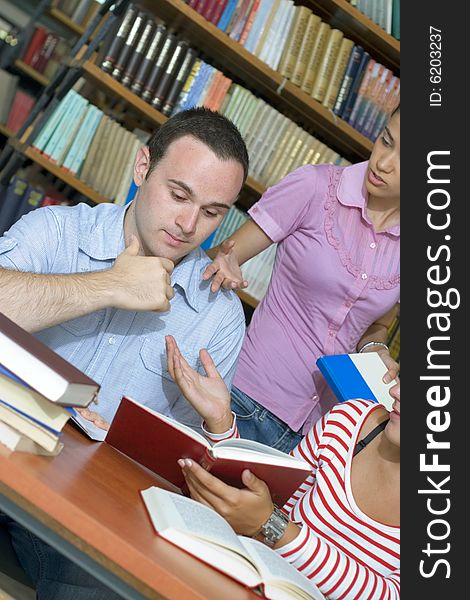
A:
x: 148, y: 60
x: 158, y: 67
x: 348, y: 78
x: 178, y: 83
x: 111, y: 54
x: 136, y: 58
x: 351, y: 98
x: 129, y: 45
x: 169, y: 74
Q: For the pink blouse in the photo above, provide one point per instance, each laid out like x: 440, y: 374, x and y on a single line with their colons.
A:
x: 334, y: 275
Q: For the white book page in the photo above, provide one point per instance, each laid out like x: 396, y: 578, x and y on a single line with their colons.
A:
x: 172, y: 511
x: 274, y: 569
x: 260, y: 452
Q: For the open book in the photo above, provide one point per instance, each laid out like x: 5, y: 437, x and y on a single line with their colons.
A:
x: 200, y: 531
x: 157, y: 442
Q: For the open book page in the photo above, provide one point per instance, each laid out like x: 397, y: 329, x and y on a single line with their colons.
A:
x: 88, y: 428
x: 200, y: 531
x: 278, y: 575
x: 263, y: 453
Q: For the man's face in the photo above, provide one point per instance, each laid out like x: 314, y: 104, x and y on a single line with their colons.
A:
x: 183, y: 200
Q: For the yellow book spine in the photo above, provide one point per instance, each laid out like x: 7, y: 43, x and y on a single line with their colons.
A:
x: 327, y: 64
x: 306, y: 48
x: 315, y: 57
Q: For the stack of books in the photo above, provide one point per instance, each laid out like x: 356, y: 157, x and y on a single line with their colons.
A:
x: 38, y: 392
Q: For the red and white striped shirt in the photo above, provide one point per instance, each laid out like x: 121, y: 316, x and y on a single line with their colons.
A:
x: 349, y: 555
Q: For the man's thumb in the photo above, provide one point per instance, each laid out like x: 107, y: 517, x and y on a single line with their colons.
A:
x: 133, y: 246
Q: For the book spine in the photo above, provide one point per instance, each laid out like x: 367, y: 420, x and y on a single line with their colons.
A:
x: 138, y: 54
x: 305, y: 50
x: 169, y: 74
x: 249, y: 22
x: 221, y: 4
x: 338, y: 72
x: 352, y: 95
x: 326, y: 66
x: 129, y: 46
x: 36, y: 42
x: 188, y: 84
x: 370, y: 74
x: 117, y: 42
x: 349, y: 74
x: 315, y: 57
x: 226, y: 15
x: 177, y: 85
x: 148, y: 59
x: 158, y: 67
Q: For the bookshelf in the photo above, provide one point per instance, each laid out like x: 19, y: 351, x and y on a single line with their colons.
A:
x: 259, y: 76
x: 61, y: 17
x: 30, y: 72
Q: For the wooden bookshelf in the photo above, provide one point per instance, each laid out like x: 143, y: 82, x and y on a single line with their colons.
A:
x: 27, y: 70
x: 61, y: 17
x: 282, y: 94
x: 247, y: 299
x: 5, y: 131
x: 359, y: 28
x: 62, y: 174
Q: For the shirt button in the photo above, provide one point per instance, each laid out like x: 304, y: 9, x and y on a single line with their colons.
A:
x: 348, y: 303
x: 373, y: 245
x: 364, y: 276
x: 112, y: 340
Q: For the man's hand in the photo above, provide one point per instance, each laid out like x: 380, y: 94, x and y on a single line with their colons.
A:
x: 225, y: 269
x: 246, y: 510
x: 140, y: 282
x: 94, y: 417
x: 209, y: 395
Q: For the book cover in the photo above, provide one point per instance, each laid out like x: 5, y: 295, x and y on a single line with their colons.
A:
x: 295, y: 39
x: 8, y: 85
x: 93, y: 151
x: 349, y: 74
x: 136, y: 57
x: 129, y: 46
x: 326, y: 66
x: 352, y: 95
x: 282, y: 25
x: 153, y: 50
x: 43, y: 369
x: 16, y: 441
x: 158, y: 67
x: 338, y: 72
x: 203, y: 533
x: 169, y: 74
x: 258, y: 23
x: 316, y: 56
x: 356, y: 375
x: 157, y: 442
x: 116, y: 41
x: 37, y: 39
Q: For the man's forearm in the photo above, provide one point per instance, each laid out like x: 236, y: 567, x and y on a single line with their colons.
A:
x: 38, y: 301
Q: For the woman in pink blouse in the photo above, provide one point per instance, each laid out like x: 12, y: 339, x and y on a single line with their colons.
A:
x: 341, y: 528
x: 334, y: 289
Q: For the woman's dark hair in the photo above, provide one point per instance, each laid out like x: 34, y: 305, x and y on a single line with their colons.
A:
x: 207, y: 126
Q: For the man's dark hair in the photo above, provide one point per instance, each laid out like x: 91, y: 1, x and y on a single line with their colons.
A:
x: 207, y: 126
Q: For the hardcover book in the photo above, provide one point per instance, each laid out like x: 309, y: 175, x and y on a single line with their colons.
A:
x: 43, y: 369
x: 200, y: 531
x: 157, y: 442
x: 357, y: 375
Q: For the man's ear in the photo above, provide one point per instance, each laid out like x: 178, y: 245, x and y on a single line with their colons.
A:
x: 141, y: 165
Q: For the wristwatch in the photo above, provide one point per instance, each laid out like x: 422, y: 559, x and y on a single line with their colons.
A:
x: 274, y: 528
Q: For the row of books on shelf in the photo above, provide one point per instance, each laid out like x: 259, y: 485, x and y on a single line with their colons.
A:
x: 385, y: 13
x: 90, y: 145
x: 15, y: 103
x: 45, y: 50
x: 79, y: 11
x: 20, y: 197
x: 154, y: 62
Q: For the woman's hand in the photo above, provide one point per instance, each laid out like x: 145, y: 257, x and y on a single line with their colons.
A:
x: 246, y: 510
x: 391, y: 364
x: 225, y: 269
x: 209, y: 395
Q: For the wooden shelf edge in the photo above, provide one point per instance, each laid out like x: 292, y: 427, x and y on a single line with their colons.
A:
x: 5, y: 131
x: 62, y: 174
x: 22, y: 66
x: 247, y: 299
x: 66, y: 20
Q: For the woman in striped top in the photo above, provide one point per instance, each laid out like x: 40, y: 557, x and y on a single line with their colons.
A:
x: 342, y: 528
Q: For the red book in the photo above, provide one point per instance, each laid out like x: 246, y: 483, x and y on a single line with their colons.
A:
x: 219, y: 9
x: 249, y: 22
x: 157, y: 442
x: 37, y: 40
x: 45, y: 53
x: 43, y: 369
x: 20, y: 109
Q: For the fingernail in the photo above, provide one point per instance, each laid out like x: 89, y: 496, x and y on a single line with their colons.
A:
x: 387, y: 379
x: 188, y: 462
x: 181, y: 462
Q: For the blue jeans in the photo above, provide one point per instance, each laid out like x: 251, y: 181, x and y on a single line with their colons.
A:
x: 54, y: 576
x: 257, y: 423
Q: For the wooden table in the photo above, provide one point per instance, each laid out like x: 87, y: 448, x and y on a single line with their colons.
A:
x: 86, y: 503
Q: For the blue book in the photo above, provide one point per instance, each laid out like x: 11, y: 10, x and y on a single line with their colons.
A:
x: 352, y: 95
x: 227, y: 14
x: 348, y: 78
x: 352, y: 376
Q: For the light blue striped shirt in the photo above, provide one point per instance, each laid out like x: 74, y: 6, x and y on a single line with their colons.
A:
x: 124, y: 351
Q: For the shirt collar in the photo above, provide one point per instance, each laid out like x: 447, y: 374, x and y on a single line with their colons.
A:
x: 102, y: 237
x: 187, y: 275
x: 351, y: 180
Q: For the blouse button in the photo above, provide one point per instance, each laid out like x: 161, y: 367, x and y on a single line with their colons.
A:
x: 373, y: 245
x: 364, y: 276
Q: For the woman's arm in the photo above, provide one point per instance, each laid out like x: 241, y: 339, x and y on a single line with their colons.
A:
x: 248, y: 241
x: 377, y: 332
